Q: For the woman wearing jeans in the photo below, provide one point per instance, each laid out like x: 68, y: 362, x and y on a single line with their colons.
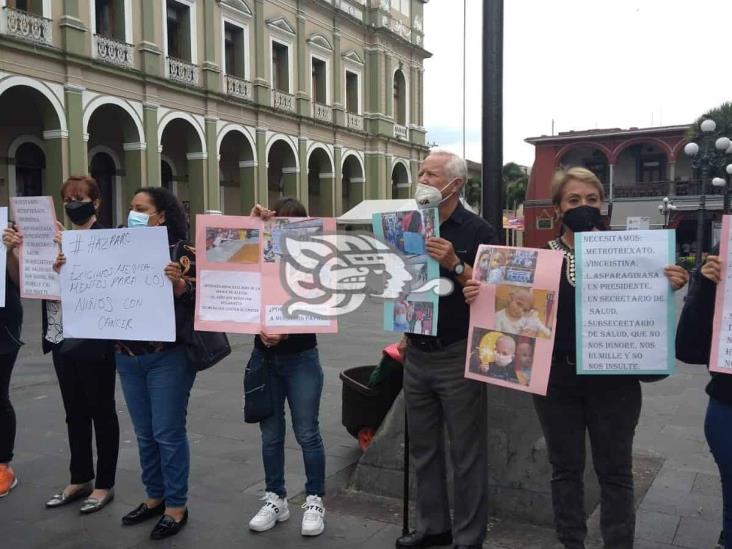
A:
x: 295, y: 375
x: 693, y: 344
x: 11, y: 319
x: 157, y: 379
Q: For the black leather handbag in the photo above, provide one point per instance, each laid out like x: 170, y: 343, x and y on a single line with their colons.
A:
x: 258, y: 403
x: 204, y: 349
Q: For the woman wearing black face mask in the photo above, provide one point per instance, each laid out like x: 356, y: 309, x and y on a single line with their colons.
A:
x: 608, y: 407
x: 86, y: 377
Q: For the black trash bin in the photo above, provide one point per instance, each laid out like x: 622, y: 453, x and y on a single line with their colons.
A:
x: 364, y: 407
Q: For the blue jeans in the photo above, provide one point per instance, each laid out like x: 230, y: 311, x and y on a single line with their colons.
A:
x: 156, y: 388
x: 299, y: 379
x: 716, y: 428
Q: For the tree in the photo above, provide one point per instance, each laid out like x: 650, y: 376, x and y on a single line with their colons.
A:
x: 722, y: 115
x: 515, y: 181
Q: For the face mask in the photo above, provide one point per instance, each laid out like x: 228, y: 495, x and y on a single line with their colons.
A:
x: 503, y: 360
x: 137, y: 219
x: 430, y: 197
x: 79, y: 212
x: 582, y: 219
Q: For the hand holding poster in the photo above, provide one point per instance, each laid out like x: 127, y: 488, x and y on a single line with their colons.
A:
x: 624, y: 303
x: 720, y: 359
x: 113, y: 285
x: 416, y: 311
x: 35, y: 219
x: 512, y: 321
x: 4, y: 254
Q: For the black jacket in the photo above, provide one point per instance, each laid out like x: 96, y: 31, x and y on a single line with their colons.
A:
x: 11, y: 318
x: 694, y: 334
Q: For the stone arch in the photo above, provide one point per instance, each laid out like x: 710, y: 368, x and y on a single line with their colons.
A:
x: 168, y: 117
x: 43, y: 89
x: 102, y: 100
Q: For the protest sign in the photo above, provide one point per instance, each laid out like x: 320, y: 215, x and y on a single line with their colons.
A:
x: 4, y: 254
x: 720, y: 359
x: 414, y: 312
x: 513, y: 319
x: 113, y: 285
x: 35, y: 219
x: 238, y: 263
x: 626, y: 322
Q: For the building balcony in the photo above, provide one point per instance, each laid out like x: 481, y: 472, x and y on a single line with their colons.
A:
x: 28, y: 26
x: 354, y: 121
x: 113, y: 51
x: 239, y: 88
x: 324, y: 113
x: 182, y: 71
x: 659, y: 189
x: 400, y: 132
x: 283, y: 101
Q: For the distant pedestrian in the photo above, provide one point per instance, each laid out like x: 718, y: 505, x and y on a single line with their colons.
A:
x: 693, y: 345
x: 295, y: 376
x: 11, y: 319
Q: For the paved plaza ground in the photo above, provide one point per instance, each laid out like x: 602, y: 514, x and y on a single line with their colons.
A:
x: 679, y: 493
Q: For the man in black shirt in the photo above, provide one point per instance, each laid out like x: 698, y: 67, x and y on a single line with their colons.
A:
x: 435, y: 388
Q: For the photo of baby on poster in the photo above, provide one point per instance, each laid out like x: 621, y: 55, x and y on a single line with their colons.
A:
x: 512, y: 321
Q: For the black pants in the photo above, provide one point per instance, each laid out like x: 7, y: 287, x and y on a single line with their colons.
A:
x: 7, y: 413
x: 609, y: 412
x: 87, y: 389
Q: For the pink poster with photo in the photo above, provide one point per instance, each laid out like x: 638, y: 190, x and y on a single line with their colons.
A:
x: 513, y: 319
x: 720, y: 358
x: 238, y: 284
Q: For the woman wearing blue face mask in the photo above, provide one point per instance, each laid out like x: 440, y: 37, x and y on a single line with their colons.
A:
x: 86, y: 377
x: 156, y: 377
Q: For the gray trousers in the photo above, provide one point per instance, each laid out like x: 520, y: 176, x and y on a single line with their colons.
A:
x: 435, y: 391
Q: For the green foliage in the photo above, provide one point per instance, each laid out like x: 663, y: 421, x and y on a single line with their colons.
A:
x: 722, y: 115
x: 515, y: 181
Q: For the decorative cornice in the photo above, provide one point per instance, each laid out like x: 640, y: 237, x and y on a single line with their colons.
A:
x: 55, y: 134
x: 319, y: 41
x: 239, y: 6
x: 196, y: 156
x: 282, y: 25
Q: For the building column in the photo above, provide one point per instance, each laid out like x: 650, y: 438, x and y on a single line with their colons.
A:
x: 210, y: 68
x: 414, y: 175
x: 261, y: 194
x: 420, y: 98
x: 302, y: 69
x: 327, y: 194
x: 610, y: 182
x: 261, y: 51
x: 197, y: 185
x: 135, y: 176
x: 150, y: 52
x: 337, y: 180
x: 339, y: 101
x: 290, y: 184
x: 73, y: 30
x: 153, y: 149
x: 302, y: 154
x: 213, y: 187
x: 413, y: 111
x: 390, y: 109
x: 375, y: 163
x: 373, y: 89
x: 247, y: 185
x: 357, y: 190
x: 57, y: 166
x: 78, y: 164
x: 672, y: 178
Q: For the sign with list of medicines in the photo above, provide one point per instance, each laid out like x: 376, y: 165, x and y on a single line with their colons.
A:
x: 720, y: 359
x: 624, y: 304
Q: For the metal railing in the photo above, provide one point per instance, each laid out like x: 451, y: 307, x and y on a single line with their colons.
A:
x: 114, y: 51
x: 238, y: 87
x: 182, y: 71
x: 28, y: 26
x: 658, y: 189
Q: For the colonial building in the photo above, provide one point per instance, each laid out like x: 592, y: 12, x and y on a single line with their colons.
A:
x: 227, y: 102
x: 637, y: 166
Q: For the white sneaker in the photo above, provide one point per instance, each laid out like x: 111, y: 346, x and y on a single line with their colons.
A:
x: 273, y: 511
x: 312, y: 519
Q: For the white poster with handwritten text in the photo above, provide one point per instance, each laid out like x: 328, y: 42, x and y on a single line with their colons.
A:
x: 3, y: 255
x: 36, y: 220
x: 113, y: 285
x: 626, y: 323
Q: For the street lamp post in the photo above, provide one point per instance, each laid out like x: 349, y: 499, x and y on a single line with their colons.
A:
x: 721, y: 182
x: 708, y: 158
x: 666, y: 207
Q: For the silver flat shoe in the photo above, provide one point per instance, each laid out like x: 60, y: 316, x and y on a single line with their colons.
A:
x: 61, y: 499
x: 92, y: 505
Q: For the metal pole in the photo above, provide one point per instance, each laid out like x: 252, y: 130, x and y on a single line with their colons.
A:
x: 465, y: 72
x: 405, y: 485
x: 700, y: 217
x: 492, y: 119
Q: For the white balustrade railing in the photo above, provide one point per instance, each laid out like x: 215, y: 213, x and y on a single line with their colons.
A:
x: 113, y: 51
x: 28, y: 26
x: 400, y: 132
x: 182, y: 71
x: 238, y: 87
x: 354, y: 121
x: 322, y: 112
x: 283, y: 101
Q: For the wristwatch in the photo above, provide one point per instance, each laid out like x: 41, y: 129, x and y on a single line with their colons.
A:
x: 459, y: 269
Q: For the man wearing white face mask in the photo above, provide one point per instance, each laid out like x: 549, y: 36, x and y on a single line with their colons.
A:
x: 435, y: 389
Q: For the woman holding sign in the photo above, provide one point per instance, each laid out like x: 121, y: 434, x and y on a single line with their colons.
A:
x: 11, y: 318
x: 157, y: 379
x: 608, y: 407
x: 86, y: 377
x: 693, y: 345
x: 294, y: 375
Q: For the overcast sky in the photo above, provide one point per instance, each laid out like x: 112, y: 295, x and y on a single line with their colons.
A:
x: 584, y: 63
